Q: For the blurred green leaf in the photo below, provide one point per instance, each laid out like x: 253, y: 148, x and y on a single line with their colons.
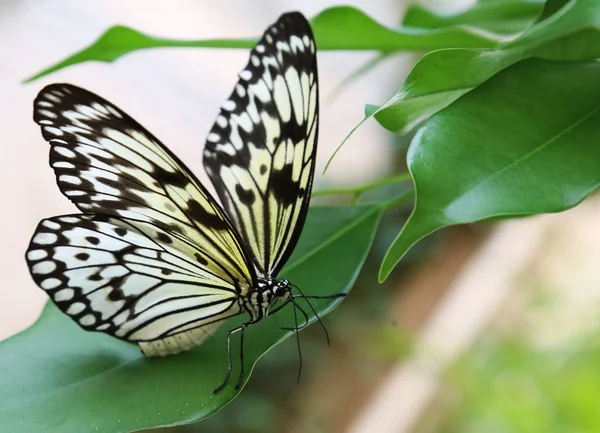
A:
x: 524, y: 142
x: 336, y: 28
x: 440, y: 77
x: 59, y: 378
x: 510, y: 385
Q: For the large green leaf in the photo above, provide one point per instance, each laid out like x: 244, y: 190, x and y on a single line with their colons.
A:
x: 336, y: 28
x: 442, y: 76
x: 59, y: 378
x: 525, y: 142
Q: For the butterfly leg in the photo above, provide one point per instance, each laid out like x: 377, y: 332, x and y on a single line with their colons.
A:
x: 229, y: 366
x: 242, y: 373
x: 306, y: 321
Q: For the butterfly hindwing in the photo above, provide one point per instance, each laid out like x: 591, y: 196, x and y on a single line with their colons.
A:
x: 260, y: 153
x: 132, y: 280
x: 105, y: 162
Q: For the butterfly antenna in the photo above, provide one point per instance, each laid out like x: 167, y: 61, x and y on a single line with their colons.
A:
x: 316, y: 315
x: 336, y: 295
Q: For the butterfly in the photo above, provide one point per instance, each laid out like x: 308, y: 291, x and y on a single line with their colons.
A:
x: 153, y: 258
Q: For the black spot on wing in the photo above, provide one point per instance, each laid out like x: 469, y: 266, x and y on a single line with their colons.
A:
x: 164, y: 238
x: 201, y: 259
x: 92, y: 240
x: 120, y: 231
x: 198, y: 213
x: 116, y: 293
x: 174, y: 178
x: 82, y: 256
x: 246, y: 196
x: 284, y: 188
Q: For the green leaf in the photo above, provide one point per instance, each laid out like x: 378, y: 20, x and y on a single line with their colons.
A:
x: 440, y: 77
x: 505, y: 16
x: 525, y: 142
x: 336, y: 28
x: 59, y: 378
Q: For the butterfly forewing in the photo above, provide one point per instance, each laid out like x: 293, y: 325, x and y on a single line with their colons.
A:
x: 129, y: 279
x: 260, y: 153
x: 105, y: 162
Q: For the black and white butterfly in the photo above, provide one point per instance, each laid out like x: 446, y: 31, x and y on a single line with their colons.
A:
x: 154, y: 259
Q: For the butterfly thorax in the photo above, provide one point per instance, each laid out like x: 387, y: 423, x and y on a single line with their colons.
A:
x: 268, y: 291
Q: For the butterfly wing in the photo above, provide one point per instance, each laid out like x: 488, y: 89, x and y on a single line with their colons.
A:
x: 132, y: 280
x: 260, y: 153
x: 154, y: 260
x: 105, y: 162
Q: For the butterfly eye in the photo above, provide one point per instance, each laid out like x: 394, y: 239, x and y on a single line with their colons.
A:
x: 281, y: 291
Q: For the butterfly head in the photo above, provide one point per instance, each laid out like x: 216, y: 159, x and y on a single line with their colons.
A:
x: 268, y: 292
x: 282, y: 289
x: 274, y: 290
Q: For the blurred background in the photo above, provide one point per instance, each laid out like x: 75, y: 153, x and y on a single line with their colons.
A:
x: 482, y: 328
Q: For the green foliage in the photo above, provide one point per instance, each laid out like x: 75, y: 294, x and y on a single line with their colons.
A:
x: 461, y: 135
x: 59, y: 378
x: 507, y: 386
x: 442, y: 76
x: 521, y: 143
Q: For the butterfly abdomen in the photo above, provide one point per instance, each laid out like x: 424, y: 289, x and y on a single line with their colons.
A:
x: 178, y: 343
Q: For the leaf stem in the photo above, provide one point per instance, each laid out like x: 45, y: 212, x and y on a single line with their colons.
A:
x: 356, y: 191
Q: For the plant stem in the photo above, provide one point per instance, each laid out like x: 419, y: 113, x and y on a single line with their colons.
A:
x: 358, y: 190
